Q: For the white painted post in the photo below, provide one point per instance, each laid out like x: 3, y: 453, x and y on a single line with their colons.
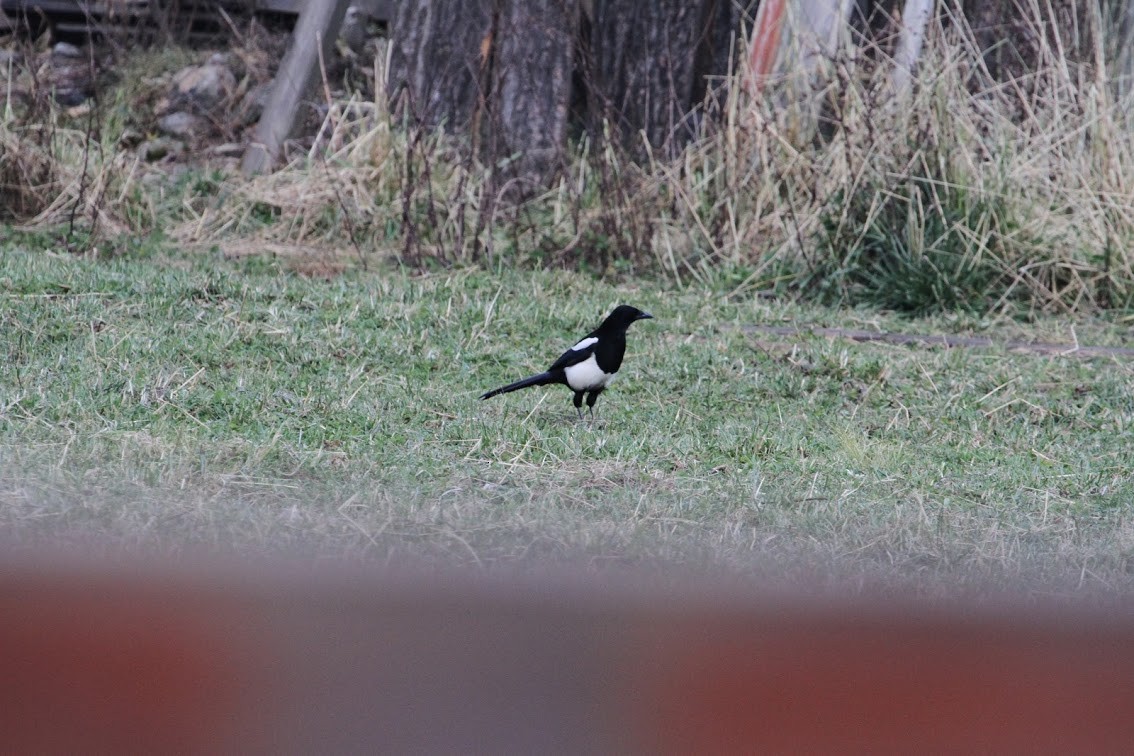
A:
x: 816, y: 26
x: 915, y: 20
x: 1124, y: 65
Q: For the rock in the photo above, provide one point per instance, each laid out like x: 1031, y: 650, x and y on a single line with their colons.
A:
x: 72, y: 85
x: 73, y: 100
x: 227, y: 150
x: 252, y: 105
x: 202, y: 87
x: 68, y: 74
x: 153, y: 150
x: 130, y: 137
x: 66, y: 50
x: 182, y: 125
x: 353, y: 31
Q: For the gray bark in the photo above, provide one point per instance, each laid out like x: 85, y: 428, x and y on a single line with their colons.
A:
x: 1014, y: 40
x: 531, y: 86
x: 641, y: 74
x: 504, y: 72
x: 438, y: 74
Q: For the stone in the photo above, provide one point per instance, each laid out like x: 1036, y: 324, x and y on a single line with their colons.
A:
x: 353, y: 31
x: 182, y: 125
x: 203, y: 87
x: 66, y: 50
x: 130, y: 137
x: 68, y: 75
x: 252, y: 105
x: 72, y: 99
x: 153, y: 150
x: 227, y: 150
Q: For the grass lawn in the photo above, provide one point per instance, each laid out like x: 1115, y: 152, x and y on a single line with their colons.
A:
x: 160, y: 402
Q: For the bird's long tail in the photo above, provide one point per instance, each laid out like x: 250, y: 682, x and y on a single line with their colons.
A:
x: 536, y: 380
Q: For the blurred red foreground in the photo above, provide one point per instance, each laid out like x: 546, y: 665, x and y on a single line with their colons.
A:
x: 252, y: 660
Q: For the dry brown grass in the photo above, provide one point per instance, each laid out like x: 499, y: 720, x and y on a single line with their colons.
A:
x: 968, y: 193
x: 985, y: 192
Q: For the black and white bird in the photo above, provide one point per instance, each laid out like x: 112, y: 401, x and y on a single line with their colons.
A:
x: 589, y: 366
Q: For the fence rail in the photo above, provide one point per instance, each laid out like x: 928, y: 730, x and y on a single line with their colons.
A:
x: 151, y: 659
x: 77, y: 19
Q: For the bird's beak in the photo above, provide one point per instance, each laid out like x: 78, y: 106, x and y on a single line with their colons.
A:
x: 644, y: 315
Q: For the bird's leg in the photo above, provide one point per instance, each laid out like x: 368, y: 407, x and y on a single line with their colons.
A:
x: 591, y: 399
x: 578, y: 400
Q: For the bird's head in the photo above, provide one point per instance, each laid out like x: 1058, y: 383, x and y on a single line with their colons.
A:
x: 623, y: 316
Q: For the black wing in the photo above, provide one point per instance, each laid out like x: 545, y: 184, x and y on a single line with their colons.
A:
x: 575, y: 354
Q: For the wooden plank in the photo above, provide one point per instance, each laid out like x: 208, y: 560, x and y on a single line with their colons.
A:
x: 281, y: 6
x: 915, y: 19
x: 314, y: 36
x: 225, y: 658
x: 96, y: 9
x: 1124, y: 65
x: 765, y: 46
x: 77, y: 19
x: 817, y: 30
x: 380, y: 10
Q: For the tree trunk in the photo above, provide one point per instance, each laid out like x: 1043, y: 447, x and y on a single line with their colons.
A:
x: 531, y: 88
x: 1016, y: 42
x: 439, y: 61
x: 502, y: 71
x: 720, y: 48
x: 497, y: 70
x: 641, y: 73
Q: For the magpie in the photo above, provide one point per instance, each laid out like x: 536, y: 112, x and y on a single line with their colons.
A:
x: 589, y: 366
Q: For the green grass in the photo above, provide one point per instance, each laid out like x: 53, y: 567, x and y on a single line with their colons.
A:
x: 159, y: 402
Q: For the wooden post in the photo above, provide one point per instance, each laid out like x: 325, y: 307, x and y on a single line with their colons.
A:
x: 314, y: 34
x: 816, y: 27
x: 915, y: 19
x: 765, y: 44
x: 1124, y: 66
x: 810, y: 29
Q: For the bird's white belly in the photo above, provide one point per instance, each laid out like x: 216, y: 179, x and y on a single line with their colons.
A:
x: 587, y: 375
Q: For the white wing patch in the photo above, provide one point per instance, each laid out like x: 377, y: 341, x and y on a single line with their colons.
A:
x: 585, y: 343
x: 586, y: 375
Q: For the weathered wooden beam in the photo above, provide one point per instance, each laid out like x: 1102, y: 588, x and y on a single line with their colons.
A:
x: 314, y: 36
x: 161, y: 657
x: 816, y: 27
x: 380, y: 10
x: 78, y: 20
x: 281, y: 6
x: 99, y: 10
x: 1124, y: 44
x: 766, y: 34
x: 915, y: 19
